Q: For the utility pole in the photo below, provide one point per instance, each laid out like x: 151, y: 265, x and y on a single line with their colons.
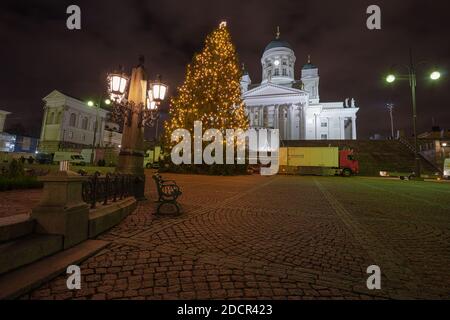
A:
x: 412, y: 83
x: 390, y: 107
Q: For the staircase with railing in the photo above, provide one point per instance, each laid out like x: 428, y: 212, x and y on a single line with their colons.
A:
x: 424, y: 153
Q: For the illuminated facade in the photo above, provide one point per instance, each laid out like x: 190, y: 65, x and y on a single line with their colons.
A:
x: 293, y: 106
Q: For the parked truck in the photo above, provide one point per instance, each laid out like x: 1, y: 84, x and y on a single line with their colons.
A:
x: 318, y: 161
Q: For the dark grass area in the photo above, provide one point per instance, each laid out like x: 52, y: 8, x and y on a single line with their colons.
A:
x: 17, y: 183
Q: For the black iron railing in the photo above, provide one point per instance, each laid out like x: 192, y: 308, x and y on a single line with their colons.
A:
x: 109, y: 188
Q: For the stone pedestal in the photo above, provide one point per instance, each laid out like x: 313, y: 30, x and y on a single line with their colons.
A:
x: 62, y: 210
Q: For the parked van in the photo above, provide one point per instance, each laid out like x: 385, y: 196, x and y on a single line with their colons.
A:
x: 447, y: 168
x: 87, y: 154
x: 152, y: 157
x: 44, y: 158
x: 73, y: 158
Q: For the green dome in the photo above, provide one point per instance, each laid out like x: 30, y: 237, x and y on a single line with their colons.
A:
x: 309, y: 66
x: 277, y: 43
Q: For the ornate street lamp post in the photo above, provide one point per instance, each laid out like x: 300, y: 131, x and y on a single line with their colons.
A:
x: 135, y: 106
x: 411, y: 77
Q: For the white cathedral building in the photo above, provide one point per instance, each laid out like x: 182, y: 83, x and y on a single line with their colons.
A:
x: 293, y: 106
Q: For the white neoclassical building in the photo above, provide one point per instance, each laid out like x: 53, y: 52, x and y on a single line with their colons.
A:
x: 69, y: 123
x: 293, y: 106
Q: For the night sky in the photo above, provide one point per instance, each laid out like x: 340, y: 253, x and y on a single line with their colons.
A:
x: 39, y: 54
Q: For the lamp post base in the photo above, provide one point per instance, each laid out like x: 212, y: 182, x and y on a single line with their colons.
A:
x: 132, y: 163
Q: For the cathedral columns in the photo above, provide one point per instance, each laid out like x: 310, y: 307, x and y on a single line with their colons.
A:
x: 294, y: 126
x: 342, y: 127
x: 354, y: 127
x: 261, y: 116
x: 276, y: 117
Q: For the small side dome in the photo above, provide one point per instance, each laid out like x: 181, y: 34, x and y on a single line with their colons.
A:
x: 308, y: 65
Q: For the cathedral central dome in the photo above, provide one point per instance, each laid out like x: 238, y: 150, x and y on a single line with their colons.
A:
x: 277, y: 43
x: 278, y: 61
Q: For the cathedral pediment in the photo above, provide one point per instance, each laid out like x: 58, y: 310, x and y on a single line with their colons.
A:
x: 273, y: 90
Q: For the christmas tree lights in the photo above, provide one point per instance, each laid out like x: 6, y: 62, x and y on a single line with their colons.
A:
x: 211, y: 92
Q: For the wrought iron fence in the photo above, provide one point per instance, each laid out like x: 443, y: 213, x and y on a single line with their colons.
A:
x: 109, y: 188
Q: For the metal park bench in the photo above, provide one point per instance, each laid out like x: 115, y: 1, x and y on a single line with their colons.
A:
x: 168, y: 192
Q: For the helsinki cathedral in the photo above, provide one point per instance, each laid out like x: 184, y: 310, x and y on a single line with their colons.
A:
x: 293, y: 106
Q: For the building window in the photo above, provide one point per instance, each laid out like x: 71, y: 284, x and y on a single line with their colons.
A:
x: 284, y: 72
x: 284, y: 63
x: 70, y: 134
x: 84, y: 124
x: 50, y: 118
x: 58, y: 118
x: 73, y: 120
x: 323, y: 136
x: 324, y: 124
x: 277, y: 72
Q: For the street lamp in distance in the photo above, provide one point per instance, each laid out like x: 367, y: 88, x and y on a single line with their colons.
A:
x: 411, y: 77
x: 92, y: 104
x: 390, y: 78
x: 435, y: 75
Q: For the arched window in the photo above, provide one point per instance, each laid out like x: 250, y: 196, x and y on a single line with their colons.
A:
x: 73, y: 120
x: 84, y: 124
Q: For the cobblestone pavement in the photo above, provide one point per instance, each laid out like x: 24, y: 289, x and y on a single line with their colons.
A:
x: 276, y: 238
x: 18, y: 201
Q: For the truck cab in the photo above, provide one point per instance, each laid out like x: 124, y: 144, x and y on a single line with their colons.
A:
x: 347, y: 163
x: 446, y: 170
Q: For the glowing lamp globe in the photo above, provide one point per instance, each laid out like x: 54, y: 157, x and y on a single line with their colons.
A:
x: 151, y: 105
x: 159, y: 90
x: 435, y: 75
x: 117, y: 85
x: 390, y: 78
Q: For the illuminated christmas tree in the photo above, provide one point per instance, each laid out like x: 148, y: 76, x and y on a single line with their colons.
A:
x: 211, y: 92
